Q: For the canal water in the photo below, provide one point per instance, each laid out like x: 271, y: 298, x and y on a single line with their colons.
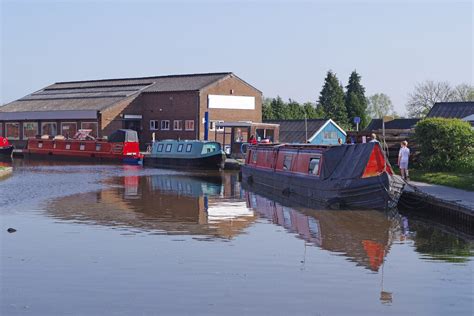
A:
x: 124, y: 240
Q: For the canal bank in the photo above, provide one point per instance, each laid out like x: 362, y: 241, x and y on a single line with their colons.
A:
x: 5, y: 172
x: 440, y: 203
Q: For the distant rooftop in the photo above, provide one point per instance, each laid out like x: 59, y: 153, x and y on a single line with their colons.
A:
x: 294, y: 131
x: 451, y: 109
x: 376, y: 124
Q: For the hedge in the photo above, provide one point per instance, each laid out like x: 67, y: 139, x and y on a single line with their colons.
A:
x: 445, y: 144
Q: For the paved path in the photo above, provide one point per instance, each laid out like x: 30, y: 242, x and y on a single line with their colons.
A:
x: 441, y: 192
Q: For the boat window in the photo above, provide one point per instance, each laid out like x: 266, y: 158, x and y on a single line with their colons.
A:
x: 168, y: 147
x: 82, y: 146
x: 189, y: 147
x: 180, y: 147
x: 98, y: 147
x: 208, y: 148
x: 68, y: 146
x: 160, y: 147
x: 287, y: 163
x: 314, y: 166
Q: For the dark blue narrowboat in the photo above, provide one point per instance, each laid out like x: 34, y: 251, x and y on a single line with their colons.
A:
x: 347, y: 176
x: 186, y: 154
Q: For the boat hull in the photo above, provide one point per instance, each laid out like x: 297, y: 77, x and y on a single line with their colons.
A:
x: 213, y: 162
x: 6, y: 151
x: 81, y: 157
x: 378, y: 192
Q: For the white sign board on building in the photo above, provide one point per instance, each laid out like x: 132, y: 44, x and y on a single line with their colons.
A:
x: 230, y: 102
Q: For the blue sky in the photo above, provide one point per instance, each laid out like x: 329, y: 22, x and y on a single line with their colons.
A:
x: 282, y: 47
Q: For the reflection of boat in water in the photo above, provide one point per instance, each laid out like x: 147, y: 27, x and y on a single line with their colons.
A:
x: 362, y: 236
x: 165, y: 203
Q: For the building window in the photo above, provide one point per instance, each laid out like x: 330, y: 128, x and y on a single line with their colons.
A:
x: 153, y: 125
x: 168, y: 147
x: 93, y: 126
x: 330, y: 135
x: 189, y: 125
x: 30, y: 129
x: 213, y: 126
x: 165, y: 125
x: 180, y: 147
x: 314, y: 166
x: 68, y: 129
x: 12, y: 130
x: 177, y: 125
x: 189, y: 147
x: 49, y: 128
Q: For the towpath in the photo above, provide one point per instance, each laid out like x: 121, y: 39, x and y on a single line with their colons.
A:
x: 462, y: 198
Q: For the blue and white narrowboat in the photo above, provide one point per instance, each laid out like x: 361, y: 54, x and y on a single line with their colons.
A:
x: 186, y: 153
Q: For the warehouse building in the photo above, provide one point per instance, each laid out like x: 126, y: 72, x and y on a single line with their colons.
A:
x: 171, y: 107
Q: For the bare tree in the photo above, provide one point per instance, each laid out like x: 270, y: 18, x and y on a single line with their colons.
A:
x: 464, y: 92
x: 379, y: 105
x: 426, y: 94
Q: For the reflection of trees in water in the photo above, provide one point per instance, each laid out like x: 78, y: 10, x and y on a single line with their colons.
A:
x: 440, y: 245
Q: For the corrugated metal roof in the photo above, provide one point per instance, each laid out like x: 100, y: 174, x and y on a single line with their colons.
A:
x: 451, y: 109
x: 100, y: 94
x: 294, y: 131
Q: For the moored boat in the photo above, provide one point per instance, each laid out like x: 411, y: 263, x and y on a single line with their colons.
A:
x: 348, y: 176
x: 121, y: 146
x: 6, y: 149
x: 186, y: 154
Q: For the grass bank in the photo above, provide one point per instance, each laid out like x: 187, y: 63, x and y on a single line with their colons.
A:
x: 460, y: 180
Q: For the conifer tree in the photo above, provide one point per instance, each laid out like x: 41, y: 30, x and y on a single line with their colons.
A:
x: 355, y: 100
x: 331, y: 100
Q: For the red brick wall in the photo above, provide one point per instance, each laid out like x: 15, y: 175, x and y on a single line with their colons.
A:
x: 224, y: 87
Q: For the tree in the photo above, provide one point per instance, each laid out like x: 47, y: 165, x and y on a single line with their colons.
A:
x: 267, y: 109
x: 355, y: 100
x: 310, y: 111
x: 295, y: 110
x: 280, y: 108
x: 379, y: 105
x: 464, y: 92
x: 426, y: 94
x: 331, y: 100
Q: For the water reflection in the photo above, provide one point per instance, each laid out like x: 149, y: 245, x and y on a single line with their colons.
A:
x: 209, y: 205
x: 213, y: 205
x: 364, y: 237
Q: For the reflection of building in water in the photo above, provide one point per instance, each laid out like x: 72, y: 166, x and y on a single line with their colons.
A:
x: 362, y: 236
x: 172, y: 204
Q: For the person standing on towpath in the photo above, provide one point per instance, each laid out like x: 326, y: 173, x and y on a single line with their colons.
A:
x: 403, y: 156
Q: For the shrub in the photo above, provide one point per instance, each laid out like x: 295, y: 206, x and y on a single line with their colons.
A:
x: 445, y: 144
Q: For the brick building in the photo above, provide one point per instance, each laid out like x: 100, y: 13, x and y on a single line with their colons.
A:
x: 175, y: 106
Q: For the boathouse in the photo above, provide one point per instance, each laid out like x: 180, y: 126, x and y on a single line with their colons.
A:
x: 170, y: 107
x: 314, y: 131
x: 460, y: 110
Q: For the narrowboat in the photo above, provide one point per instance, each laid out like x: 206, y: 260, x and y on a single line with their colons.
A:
x: 6, y: 149
x: 186, y: 153
x: 347, y: 176
x: 120, y: 146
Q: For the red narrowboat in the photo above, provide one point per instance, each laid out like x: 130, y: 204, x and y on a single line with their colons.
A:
x: 6, y: 149
x: 347, y: 176
x: 121, y: 146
